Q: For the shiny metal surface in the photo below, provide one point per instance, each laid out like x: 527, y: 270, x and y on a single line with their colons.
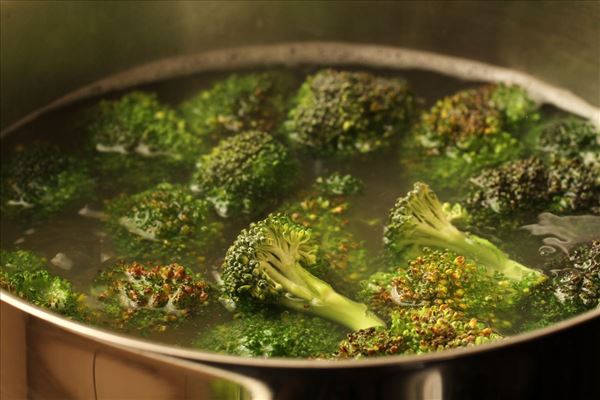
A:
x: 50, y: 49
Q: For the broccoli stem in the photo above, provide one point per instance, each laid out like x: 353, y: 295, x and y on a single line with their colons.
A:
x: 307, y: 293
x: 337, y: 308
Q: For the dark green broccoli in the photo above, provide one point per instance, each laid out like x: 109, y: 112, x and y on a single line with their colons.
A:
x: 25, y: 274
x: 348, y: 113
x: 245, y: 174
x: 419, y: 219
x: 442, y: 277
x: 370, y: 342
x: 568, y: 138
x: 138, y: 142
x: 149, y: 297
x: 166, y: 223
x: 40, y: 180
x: 285, y: 334
x: 507, y: 195
x: 324, y: 209
x: 269, y: 264
x: 416, y: 330
x: 465, y: 132
x: 254, y: 101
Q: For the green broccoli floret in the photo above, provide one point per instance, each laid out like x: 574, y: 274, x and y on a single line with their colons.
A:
x: 442, y: 277
x: 436, y: 328
x: 507, y: 195
x: 149, y: 297
x: 245, y: 174
x: 568, y: 138
x: 417, y: 330
x: 324, y: 209
x: 370, y: 342
x: 263, y: 334
x: 419, y: 219
x: 40, y: 180
x: 138, y: 142
x: 166, y: 223
x: 269, y: 264
x: 465, y: 132
x: 254, y: 101
x: 348, y: 113
x: 25, y: 275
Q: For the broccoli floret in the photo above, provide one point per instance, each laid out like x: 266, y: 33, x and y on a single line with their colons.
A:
x: 436, y: 328
x: 417, y: 330
x: 348, y: 113
x: 165, y: 223
x: 442, y: 277
x: 419, y: 219
x: 263, y: 334
x: 40, y: 180
x: 269, y: 264
x: 569, y: 138
x: 465, y: 132
x: 342, y: 257
x: 507, y: 195
x: 245, y: 174
x: 370, y: 342
x: 142, y: 298
x: 25, y: 274
x: 138, y: 142
x: 254, y: 101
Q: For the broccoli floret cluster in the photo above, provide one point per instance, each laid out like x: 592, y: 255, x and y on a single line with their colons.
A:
x: 269, y: 264
x: 348, y: 113
x: 419, y: 220
x: 138, y: 142
x: 245, y: 174
x: 263, y: 334
x: 165, y: 223
x: 569, y: 138
x: 342, y: 257
x: 441, y: 277
x: 254, y: 101
x: 417, y: 330
x: 467, y: 131
x: 40, y: 180
x: 25, y: 274
x: 141, y: 297
x: 506, y: 195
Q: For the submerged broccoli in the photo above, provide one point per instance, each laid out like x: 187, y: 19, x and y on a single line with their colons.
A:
x: 165, y: 223
x: 442, y: 277
x: 245, y: 174
x: 273, y: 335
x: 347, y: 113
x: 416, y: 330
x: 269, y: 264
x: 569, y: 138
x: 419, y: 219
x: 324, y: 209
x: 239, y: 103
x: 149, y: 297
x: 24, y: 274
x: 138, y: 142
x: 468, y: 131
x: 507, y: 195
x: 40, y: 180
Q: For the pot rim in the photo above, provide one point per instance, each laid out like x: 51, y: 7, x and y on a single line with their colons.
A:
x: 116, y: 339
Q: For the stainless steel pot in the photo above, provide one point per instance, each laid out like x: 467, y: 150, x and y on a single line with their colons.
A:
x: 49, y: 51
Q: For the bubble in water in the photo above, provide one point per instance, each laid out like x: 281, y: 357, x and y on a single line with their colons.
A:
x: 546, y: 250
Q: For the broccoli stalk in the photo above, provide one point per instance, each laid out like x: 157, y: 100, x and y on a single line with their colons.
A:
x: 419, y: 219
x: 266, y: 264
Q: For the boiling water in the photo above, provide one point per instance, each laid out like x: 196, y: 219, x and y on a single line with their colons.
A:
x: 79, y: 247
